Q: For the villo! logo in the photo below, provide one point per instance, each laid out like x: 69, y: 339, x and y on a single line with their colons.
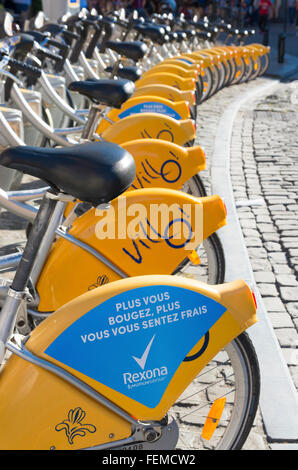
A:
x: 131, y: 378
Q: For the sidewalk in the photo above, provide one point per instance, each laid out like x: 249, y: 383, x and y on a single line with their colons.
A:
x: 264, y: 168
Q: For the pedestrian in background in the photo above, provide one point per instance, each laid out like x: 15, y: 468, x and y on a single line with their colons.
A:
x: 265, y: 8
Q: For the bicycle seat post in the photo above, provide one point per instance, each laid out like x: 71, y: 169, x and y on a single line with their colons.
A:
x: 18, y: 290
x: 96, y: 111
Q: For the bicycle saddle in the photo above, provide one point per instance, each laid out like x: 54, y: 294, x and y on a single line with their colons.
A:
x: 24, y: 46
x: 94, y: 172
x: 134, y: 50
x: 109, y: 92
x: 154, y: 32
x: 129, y: 72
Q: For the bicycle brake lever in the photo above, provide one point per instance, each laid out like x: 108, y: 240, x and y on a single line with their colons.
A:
x: 11, y: 76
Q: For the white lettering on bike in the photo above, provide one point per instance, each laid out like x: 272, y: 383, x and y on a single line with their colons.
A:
x: 136, y: 377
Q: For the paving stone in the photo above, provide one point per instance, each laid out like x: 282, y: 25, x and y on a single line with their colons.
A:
x: 277, y: 208
x: 286, y: 224
x: 292, y: 308
x: 248, y: 223
x: 264, y: 277
x: 292, y: 232
x: 270, y: 237
x: 248, y: 232
x: 260, y: 265
x: 289, y: 294
x: 287, y: 337
x: 271, y: 246
x: 255, y: 442
x: 279, y: 258
x: 253, y: 242
x: 265, y: 228
x: 258, y: 253
x: 293, y: 252
x: 289, y: 245
x: 286, y: 280
x: 282, y: 269
x: 291, y: 356
x: 273, y: 304
x: 281, y: 320
x: 268, y: 290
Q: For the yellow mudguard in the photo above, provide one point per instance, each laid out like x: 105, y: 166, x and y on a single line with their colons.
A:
x: 163, y: 164
x: 184, y: 84
x: 259, y: 48
x: 151, y: 251
x: 168, y: 92
x: 181, y: 61
x: 202, y: 57
x: 145, y: 104
x: 151, y: 126
x: 173, y: 69
x: 98, y: 338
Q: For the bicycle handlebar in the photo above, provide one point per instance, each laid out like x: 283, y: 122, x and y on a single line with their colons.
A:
x: 45, y: 53
x: 28, y: 70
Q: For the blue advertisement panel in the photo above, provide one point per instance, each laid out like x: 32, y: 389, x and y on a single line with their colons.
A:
x: 151, y: 107
x: 134, y: 342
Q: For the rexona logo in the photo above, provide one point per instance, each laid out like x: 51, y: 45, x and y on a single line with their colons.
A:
x: 147, y: 376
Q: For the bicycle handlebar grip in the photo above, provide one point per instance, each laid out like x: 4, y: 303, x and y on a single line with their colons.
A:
x: 50, y: 55
x: 70, y: 34
x: 29, y: 70
x: 63, y: 47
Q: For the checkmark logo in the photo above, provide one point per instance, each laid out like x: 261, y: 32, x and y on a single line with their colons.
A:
x: 142, y: 360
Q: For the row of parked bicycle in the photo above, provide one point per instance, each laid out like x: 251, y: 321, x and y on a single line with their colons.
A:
x: 117, y: 314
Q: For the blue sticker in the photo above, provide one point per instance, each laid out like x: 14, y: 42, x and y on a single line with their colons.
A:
x: 134, y: 342
x: 187, y: 61
x: 151, y: 107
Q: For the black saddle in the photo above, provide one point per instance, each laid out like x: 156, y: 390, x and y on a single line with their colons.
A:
x: 94, y: 172
x: 23, y: 46
x: 109, y: 92
x: 134, y: 50
x: 154, y: 32
x: 129, y: 72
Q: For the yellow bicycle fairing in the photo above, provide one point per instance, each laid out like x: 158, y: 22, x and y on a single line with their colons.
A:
x: 145, y: 104
x: 150, y: 126
x: 100, y: 338
x: 152, y: 252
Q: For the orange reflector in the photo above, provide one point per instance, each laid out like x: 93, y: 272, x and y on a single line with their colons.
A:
x: 213, y: 418
x: 194, y: 257
x: 255, y: 300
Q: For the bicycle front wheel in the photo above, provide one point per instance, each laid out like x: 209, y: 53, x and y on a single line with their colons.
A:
x: 212, y: 260
x: 234, y: 375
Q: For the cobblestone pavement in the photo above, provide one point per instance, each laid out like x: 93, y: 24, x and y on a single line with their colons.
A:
x: 264, y: 169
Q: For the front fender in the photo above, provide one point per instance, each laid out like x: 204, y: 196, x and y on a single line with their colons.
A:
x: 145, y: 104
x: 150, y: 126
x: 149, y: 250
x: 184, y: 84
x: 163, y: 164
